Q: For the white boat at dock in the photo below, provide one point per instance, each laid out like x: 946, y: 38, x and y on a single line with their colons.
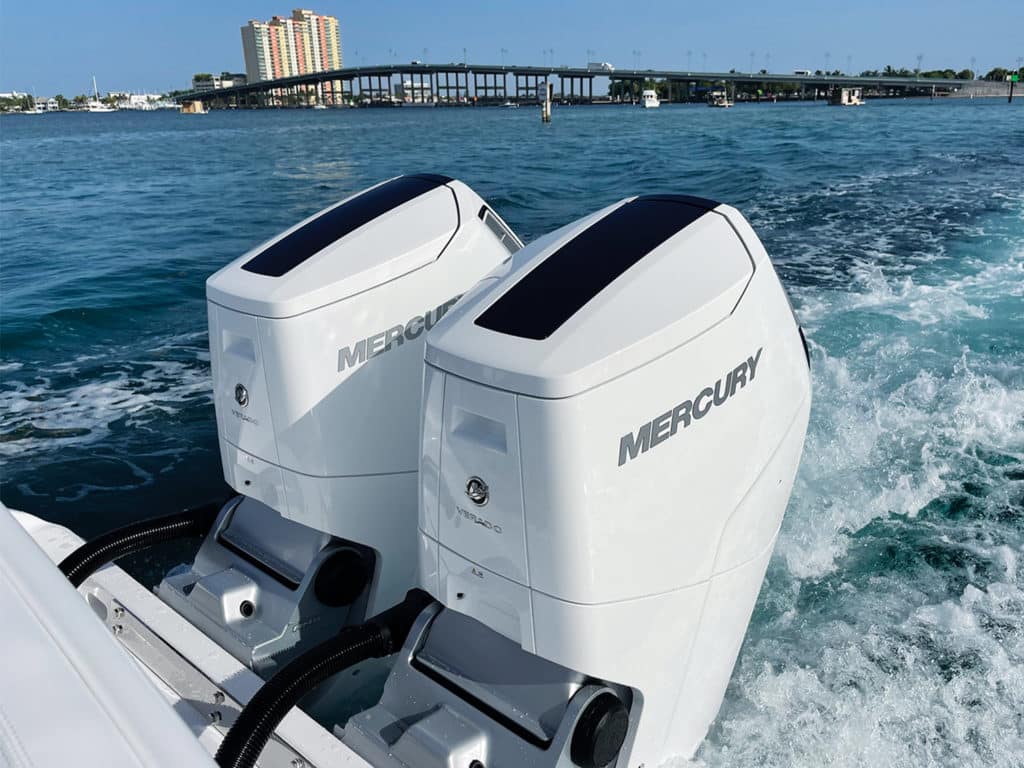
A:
x: 649, y: 99
x: 720, y: 98
x: 94, y: 104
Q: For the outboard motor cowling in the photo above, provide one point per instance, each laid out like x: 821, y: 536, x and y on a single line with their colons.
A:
x: 316, y: 344
x: 611, y: 431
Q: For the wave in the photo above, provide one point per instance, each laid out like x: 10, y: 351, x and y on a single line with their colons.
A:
x: 890, y: 630
x: 82, y: 400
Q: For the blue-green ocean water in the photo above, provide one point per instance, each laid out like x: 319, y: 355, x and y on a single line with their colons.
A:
x: 890, y: 630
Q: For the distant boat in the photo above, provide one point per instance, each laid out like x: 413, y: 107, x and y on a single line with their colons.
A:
x: 720, y: 98
x: 195, y: 107
x: 319, y: 106
x: 846, y: 97
x: 510, y: 105
x: 94, y: 104
x: 649, y: 99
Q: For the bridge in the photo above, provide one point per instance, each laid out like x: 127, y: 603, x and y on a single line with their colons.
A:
x: 490, y: 84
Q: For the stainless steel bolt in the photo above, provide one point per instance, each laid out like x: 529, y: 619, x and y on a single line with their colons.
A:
x: 118, y: 612
x: 215, y: 716
x: 298, y: 762
x: 218, y: 698
x: 117, y: 629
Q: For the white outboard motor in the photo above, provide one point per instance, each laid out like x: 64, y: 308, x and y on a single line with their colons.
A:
x: 611, y: 431
x: 316, y: 343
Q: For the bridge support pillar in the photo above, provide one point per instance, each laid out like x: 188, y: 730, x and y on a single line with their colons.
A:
x: 487, y: 89
x: 529, y: 87
x: 416, y: 87
x: 577, y: 89
x: 449, y: 92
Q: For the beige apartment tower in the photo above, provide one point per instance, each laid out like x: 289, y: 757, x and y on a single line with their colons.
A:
x: 304, y: 43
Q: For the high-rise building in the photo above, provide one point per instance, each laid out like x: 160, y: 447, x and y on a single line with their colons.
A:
x: 304, y: 43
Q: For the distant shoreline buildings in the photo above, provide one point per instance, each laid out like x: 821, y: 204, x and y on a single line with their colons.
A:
x: 204, y: 81
x: 305, y: 43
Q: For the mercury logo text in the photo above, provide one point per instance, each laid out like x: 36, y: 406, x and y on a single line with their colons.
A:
x: 356, y: 354
x: 664, y: 426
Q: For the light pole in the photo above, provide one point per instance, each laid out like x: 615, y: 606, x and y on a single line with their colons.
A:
x: 704, y: 61
x: 464, y: 59
x: 590, y: 55
x: 689, y: 55
x: 767, y: 62
x: 920, y: 58
x: 753, y: 54
x: 849, y: 64
x: 636, y: 59
x: 974, y: 75
x: 828, y: 57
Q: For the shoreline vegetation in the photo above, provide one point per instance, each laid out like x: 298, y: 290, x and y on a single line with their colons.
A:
x: 28, y: 103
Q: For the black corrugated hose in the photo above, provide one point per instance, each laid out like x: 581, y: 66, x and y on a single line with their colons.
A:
x: 384, y: 634
x: 88, y: 558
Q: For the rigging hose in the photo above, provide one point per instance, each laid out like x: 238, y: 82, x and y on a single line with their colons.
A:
x: 94, y: 554
x: 380, y: 636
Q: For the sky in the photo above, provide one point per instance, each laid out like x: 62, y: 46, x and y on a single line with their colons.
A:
x: 56, y: 46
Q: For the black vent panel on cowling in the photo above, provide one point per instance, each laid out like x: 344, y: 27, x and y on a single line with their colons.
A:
x: 305, y: 242
x: 560, y: 286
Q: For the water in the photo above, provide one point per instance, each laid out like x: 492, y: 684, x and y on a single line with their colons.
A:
x: 890, y: 630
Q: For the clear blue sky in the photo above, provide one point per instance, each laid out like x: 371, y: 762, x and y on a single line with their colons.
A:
x: 53, y: 46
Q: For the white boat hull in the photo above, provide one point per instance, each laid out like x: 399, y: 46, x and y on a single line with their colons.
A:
x: 203, y: 684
